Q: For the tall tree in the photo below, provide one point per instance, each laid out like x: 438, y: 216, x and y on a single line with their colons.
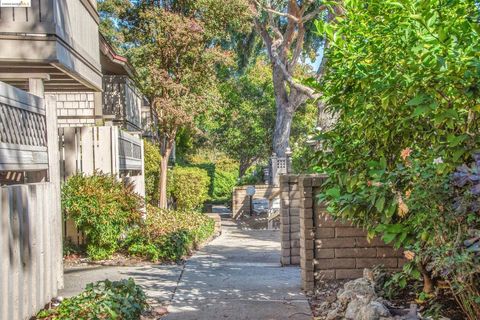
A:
x: 286, y: 28
x: 242, y: 128
x: 174, y: 46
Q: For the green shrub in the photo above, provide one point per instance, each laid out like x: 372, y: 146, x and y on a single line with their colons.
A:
x: 102, y: 207
x: 254, y: 175
x: 169, y: 235
x: 405, y: 121
x: 189, y: 187
x: 102, y: 300
x: 152, y: 170
x: 222, y: 170
x: 224, y: 182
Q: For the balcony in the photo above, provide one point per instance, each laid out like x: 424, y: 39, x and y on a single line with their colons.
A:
x: 54, y: 38
x: 122, y: 102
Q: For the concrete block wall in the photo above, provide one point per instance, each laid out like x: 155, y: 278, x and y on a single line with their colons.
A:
x: 241, y: 202
x: 328, y: 248
x: 291, y: 203
x: 75, y: 109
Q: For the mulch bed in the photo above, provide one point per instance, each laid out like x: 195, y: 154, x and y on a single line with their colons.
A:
x: 118, y: 259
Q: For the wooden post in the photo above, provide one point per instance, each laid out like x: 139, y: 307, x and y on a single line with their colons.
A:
x: 54, y: 178
x: 36, y: 87
x: 98, y: 103
x: 288, y: 161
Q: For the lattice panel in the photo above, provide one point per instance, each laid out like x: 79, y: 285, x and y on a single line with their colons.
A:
x: 281, y: 163
x: 22, y: 127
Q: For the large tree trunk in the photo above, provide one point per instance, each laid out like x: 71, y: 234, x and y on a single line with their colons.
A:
x: 166, y: 150
x: 244, y: 165
x: 283, y: 121
x: 283, y: 126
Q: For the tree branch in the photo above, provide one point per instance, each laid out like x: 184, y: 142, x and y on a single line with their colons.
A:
x: 298, y: 47
x: 271, y: 10
x: 264, y: 34
x: 309, y: 92
x: 314, y: 13
x: 323, y: 64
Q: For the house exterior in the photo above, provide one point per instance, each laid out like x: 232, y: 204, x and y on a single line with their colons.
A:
x: 67, y: 105
x: 102, y: 131
x: 48, y: 47
x: 115, y: 112
x: 56, y: 40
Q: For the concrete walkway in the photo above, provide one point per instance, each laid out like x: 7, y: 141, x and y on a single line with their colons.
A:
x: 236, y: 276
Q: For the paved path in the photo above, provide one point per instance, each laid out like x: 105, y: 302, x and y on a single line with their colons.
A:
x: 237, y: 276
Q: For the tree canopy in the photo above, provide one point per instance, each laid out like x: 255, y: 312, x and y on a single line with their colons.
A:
x: 176, y: 49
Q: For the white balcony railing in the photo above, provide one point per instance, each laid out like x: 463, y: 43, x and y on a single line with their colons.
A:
x: 130, y: 151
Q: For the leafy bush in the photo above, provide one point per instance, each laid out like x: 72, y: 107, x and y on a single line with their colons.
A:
x: 254, y: 175
x: 101, y: 300
x: 403, y: 80
x: 222, y: 170
x: 102, y: 207
x: 189, y: 187
x: 169, y: 235
x: 152, y: 170
x: 224, y: 182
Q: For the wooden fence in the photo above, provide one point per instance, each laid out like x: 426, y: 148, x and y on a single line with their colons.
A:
x: 30, y: 242
x: 30, y: 217
x: 107, y: 149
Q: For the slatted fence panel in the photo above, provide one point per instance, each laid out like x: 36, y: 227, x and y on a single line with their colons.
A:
x: 23, y: 142
x: 30, y: 229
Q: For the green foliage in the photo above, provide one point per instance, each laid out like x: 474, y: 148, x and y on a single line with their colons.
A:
x: 403, y: 78
x: 242, y: 128
x: 102, y: 207
x: 152, y: 170
x: 169, y: 235
x: 189, y: 187
x: 224, y: 182
x: 254, y: 175
x: 303, y: 125
x: 222, y: 170
x: 69, y: 248
x: 101, y: 300
x: 177, y: 49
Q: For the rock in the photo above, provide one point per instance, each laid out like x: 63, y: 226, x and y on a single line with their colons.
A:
x: 373, y: 311
x: 353, y: 309
x: 344, y: 297
x: 160, y: 311
x: 332, y: 315
x: 325, y: 306
x: 368, y: 274
x: 361, y: 287
x: 331, y: 298
x: 357, y: 300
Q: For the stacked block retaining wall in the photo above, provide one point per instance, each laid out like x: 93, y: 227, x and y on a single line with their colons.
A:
x: 325, y: 248
x: 241, y: 202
